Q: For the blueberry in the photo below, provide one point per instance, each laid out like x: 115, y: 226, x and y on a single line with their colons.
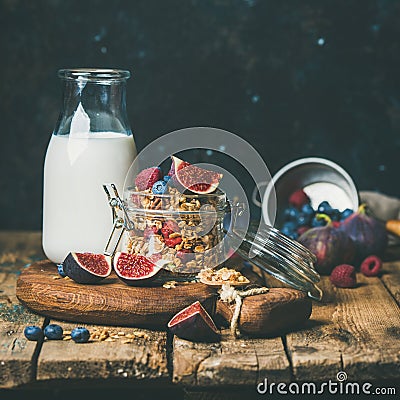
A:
x: 60, y: 269
x: 317, y: 222
x: 293, y: 235
x: 291, y: 213
x: 334, y: 214
x: 80, y: 335
x: 159, y: 187
x: 286, y: 231
x: 324, y: 207
x: 290, y: 225
x: 53, y: 332
x: 307, y: 209
x: 303, y: 220
x: 247, y: 264
x: 346, y: 213
x: 167, y: 178
x: 33, y: 333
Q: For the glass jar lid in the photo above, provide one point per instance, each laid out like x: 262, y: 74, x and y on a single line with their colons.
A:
x: 281, y: 257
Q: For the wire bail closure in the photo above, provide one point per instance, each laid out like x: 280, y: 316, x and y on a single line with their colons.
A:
x: 120, y: 222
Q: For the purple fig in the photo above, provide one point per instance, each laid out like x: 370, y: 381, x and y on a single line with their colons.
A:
x: 368, y: 234
x: 330, y: 245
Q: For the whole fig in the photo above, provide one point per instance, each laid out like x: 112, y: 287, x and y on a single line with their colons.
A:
x: 368, y: 234
x: 330, y: 245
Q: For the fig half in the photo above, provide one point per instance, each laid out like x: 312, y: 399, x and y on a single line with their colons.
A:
x: 87, y: 267
x: 135, y: 269
x: 197, y: 180
x: 195, y: 324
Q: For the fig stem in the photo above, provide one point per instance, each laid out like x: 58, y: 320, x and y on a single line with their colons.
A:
x: 363, y: 208
x: 324, y: 217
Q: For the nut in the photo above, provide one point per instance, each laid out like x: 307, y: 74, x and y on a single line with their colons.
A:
x: 199, y: 249
x: 222, y: 275
x: 174, y: 235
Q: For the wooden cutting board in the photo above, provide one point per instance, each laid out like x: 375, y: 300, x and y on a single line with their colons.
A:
x: 111, y: 302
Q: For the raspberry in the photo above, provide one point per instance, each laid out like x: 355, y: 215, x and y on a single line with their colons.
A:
x: 135, y: 199
x: 150, y: 231
x: 371, y: 266
x: 147, y: 178
x: 172, y: 242
x: 299, y: 198
x: 168, y: 228
x: 344, y: 276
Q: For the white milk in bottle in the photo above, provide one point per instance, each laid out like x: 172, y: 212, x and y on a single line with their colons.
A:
x: 81, y: 158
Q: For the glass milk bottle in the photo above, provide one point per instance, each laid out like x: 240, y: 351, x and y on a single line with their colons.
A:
x: 92, y: 144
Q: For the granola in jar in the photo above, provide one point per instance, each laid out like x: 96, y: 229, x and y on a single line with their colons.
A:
x: 181, y: 230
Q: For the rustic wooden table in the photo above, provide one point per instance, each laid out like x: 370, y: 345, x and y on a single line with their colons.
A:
x: 355, y: 331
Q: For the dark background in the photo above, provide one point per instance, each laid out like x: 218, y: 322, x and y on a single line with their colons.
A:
x: 294, y: 78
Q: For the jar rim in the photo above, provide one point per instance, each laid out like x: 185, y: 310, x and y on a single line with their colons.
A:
x: 94, y: 74
x: 214, y: 195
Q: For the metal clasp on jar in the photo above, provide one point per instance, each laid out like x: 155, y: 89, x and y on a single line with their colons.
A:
x: 120, y: 222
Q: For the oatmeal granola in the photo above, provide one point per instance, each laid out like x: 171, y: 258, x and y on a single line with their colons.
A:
x: 222, y: 276
x: 177, y: 229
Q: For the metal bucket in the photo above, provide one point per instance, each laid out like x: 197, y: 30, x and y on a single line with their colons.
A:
x: 320, y: 178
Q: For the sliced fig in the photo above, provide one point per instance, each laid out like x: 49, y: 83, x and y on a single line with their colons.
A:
x: 135, y: 269
x: 194, y: 178
x: 87, y: 267
x: 195, y: 324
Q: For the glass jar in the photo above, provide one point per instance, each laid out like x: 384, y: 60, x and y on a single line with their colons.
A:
x: 92, y: 144
x: 182, y: 232
x: 185, y: 233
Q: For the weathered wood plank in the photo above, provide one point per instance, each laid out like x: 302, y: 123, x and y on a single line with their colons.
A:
x: 229, y: 362
x: 20, y: 240
x: 142, y: 358
x: 374, y: 326
x: 7, y: 287
x: 17, y: 355
x: 391, y: 278
x: 354, y: 330
x: 18, y: 248
x: 314, y: 350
